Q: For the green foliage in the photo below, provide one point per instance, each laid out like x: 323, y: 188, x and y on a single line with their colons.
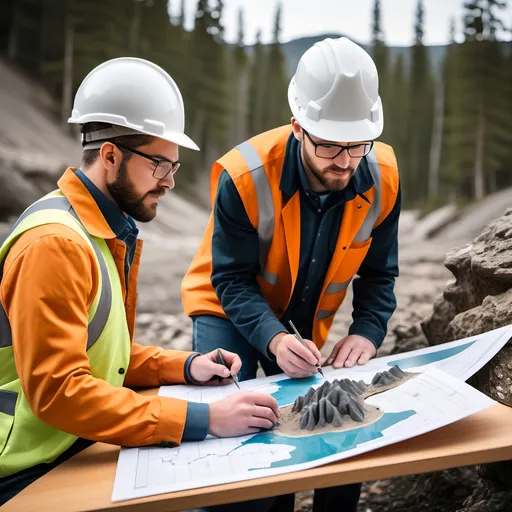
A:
x: 232, y: 92
x: 479, y: 108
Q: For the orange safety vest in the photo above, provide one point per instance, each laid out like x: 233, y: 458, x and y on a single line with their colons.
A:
x: 255, y: 167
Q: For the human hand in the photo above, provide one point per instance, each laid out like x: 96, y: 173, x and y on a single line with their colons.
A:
x: 296, y: 360
x: 205, y: 367
x: 242, y: 413
x: 351, y: 350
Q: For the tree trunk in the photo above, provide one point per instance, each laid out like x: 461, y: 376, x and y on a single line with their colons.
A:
x: 479, y: 182
x: 12, y: 48
x: 437, y: 140
x: 240, y: 115
x: 135, y: 29
x: 67, y: 80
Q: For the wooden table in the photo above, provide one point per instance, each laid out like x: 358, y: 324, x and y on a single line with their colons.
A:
x: 84, y: 482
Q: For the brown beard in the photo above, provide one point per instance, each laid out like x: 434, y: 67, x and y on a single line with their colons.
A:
x: 123, y: 192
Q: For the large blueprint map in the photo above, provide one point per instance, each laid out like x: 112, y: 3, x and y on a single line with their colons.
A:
x: 435, y: 397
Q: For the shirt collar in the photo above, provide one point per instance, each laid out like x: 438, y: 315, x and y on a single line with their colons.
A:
x: 119, y: 223
x: 294, y: 176
x: 84, y: 205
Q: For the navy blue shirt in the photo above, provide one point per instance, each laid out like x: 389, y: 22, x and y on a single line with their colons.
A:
x: 125, y: 229
x: 235, y: 258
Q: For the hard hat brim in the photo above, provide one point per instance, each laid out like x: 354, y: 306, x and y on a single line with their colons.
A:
x: 178, y: 138
x: 181, y: 139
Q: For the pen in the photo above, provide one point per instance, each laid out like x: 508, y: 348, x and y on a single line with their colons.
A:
x: 299, y: 337
x: 221, y: 360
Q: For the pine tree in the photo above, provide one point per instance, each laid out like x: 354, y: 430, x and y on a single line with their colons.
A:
x: 240, y: 86
x: 395, y: 116
x: 381, y: 58
x: 181, y: 17
x: 420, y: 113
x: 210, y: 90
x: 479, y: 124
x: 275, y: 111
x: 257, y: 86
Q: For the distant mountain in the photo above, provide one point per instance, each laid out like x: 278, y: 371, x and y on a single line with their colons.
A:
x: 294, y: 49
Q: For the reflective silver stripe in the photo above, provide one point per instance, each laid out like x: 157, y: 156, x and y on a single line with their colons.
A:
x: 8, y: 401
x: 337, y: 287
x: 265, y: 204
x: 5, y: 329
x: 97, y: 324
x: 365, y: 231
x: 52, y: 203
x: 268, y: 277
x: 325, y: 313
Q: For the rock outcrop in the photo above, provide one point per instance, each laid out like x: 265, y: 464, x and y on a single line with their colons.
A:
x: 479, y: 299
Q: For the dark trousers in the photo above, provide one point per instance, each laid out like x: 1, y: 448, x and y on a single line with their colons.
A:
x: 13, y: 484
x: 211, y: 332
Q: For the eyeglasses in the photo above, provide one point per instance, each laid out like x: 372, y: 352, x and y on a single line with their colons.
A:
x: 331, y: 151
x: 162, y: 167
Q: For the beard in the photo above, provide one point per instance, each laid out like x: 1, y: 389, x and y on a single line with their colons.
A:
x: 129, y: 201
x: 330, y: 181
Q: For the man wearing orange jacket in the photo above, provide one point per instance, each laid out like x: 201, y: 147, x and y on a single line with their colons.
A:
x: 297, y: 212
x: 68, y: 294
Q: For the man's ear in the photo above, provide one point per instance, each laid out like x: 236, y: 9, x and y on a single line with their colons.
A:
x: 111, y: 158
x: 297, y: 129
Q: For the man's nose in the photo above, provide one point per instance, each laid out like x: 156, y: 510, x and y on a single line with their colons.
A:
x: 168, y: 182
x: 342, y: 160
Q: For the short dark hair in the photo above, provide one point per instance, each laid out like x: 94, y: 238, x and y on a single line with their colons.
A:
x: 89, y: 156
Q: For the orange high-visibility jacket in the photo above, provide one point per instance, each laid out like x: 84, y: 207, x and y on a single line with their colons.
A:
x: 255, y: 168
x: 50, y: 279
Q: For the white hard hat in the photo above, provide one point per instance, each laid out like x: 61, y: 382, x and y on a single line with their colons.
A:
x: 334, y: 94
x: 134, y: 95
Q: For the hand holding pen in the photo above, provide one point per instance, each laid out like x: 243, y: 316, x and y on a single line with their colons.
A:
x: 301, y: 339
x: 215, y: 366
x: 297, y: 359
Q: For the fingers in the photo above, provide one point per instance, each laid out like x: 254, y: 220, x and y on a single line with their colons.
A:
x: 342, y: 355
x: 295, y: 346
x: 219, y: 369
x: 313, y: 349
x: 250, y: 430
x: 353, y: 357
x: 364, y: 358
x: 265, y: 413
x: 264, y: 400
x: 334, y: 353
x: 232, y: 360
x: 261, y: 423
x: 302, y: 366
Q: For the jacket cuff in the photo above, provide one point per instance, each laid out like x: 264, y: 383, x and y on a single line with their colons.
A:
x: 172, y: 367
x: 197, y: 422
x: 368, y: 331
x: 186, y: 369
x: 263, y: 335
x: 171, y: 422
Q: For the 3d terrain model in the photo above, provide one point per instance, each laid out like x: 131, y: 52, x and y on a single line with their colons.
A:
x: 338, y: 404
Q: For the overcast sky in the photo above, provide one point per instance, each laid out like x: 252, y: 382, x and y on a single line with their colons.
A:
x: 349, y: 17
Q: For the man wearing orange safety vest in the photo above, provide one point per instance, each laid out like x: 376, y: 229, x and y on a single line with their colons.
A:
x: 298, y: 212
x: 68, y: 295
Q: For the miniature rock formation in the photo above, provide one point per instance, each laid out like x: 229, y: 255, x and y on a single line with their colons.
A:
x: 333, y: 403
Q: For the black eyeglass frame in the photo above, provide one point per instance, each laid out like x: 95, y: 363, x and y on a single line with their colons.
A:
x: 157, y: 161
x: 342, y: 148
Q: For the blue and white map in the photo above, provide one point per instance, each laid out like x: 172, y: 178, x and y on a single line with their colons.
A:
x: 436, y: 397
